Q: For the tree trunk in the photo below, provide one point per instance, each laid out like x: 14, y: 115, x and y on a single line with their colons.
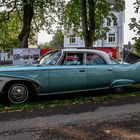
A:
x: 92, y: 26
x: 88, y: 28
x: 27, y: 19
x: 88, y: 43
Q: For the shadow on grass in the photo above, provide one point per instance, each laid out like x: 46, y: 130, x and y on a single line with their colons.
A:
x: 61, y: 97
x: 87, y: 95
x: 71, y: 96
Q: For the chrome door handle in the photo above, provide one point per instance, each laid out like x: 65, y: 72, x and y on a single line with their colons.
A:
x: 82, y: 70
x: 110, y: 69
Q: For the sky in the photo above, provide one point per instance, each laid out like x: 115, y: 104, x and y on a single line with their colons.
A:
x: 128, y: 34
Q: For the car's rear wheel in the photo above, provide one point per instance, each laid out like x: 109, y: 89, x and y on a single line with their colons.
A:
x: 118, y: 90
x: 18, y: 93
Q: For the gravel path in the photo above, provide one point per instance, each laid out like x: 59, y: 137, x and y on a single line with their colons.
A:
x: 104, y: 121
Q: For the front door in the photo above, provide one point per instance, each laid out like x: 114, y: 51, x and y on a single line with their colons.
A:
x: 70, y: 75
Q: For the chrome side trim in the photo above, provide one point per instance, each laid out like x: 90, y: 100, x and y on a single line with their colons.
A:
x: 73, y: 91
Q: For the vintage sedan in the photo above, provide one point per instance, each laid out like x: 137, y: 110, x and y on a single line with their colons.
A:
x: 64, y: 71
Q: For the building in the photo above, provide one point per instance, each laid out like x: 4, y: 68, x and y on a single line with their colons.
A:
x: 114, y: 41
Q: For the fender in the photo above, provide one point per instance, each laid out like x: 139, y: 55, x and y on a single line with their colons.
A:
x: 122, y: 82
x: 5, y: 79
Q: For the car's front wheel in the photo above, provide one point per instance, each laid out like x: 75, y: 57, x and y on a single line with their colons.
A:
x: 18, y: 93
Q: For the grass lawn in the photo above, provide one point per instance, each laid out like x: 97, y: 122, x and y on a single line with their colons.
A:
x: 75, y: 98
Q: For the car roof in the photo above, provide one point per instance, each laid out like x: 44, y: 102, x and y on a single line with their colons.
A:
x: 102, y: 53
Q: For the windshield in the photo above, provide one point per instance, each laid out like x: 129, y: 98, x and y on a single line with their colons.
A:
x: 47, y: 56
x: 53, y: 59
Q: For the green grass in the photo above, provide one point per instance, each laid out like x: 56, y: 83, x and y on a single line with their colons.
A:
x: 59, y: 100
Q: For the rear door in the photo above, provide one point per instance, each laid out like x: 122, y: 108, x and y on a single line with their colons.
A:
x: 99, y: 73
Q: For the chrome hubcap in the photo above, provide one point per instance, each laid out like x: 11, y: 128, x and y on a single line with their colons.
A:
x: 18, y: 93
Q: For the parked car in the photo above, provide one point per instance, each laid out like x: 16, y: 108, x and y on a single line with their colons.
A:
x: 64, y: 71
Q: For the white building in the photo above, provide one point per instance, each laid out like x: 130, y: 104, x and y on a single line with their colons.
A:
x: 114, y: 38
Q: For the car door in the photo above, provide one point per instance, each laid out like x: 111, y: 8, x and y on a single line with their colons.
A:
x: 99, y: 73
x: 70, y: 75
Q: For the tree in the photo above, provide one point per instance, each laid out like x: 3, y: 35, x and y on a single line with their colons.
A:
x: 135, y: 26
x: 89, y: 16
x: 57, y: 41
x: 9, y: 31
x: 137, y: 45
x: 44, y: 45
x: 34, y: 14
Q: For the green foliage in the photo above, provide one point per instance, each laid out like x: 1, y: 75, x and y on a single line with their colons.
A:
x: 136, y: 6
x: 9, y: 30
x: 48, y: 13
x: 45, y: 15
x: 100, y: 10
x: 57, y: 41
x: 72, y: 17
x: 120, y: 6
x: 45, y: 45
x: 137, y: 45
x: 135, y: 23
x: 135, y: 26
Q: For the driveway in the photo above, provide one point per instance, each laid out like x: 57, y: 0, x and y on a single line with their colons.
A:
x: 114, y: 120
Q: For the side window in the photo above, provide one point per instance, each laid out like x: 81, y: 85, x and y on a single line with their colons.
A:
x: 46, y: 57
x: 94, y: 59
x: 73, y: 59
x: 54, y: 59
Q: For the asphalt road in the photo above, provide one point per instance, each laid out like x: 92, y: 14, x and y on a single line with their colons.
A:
x: 115, y: 120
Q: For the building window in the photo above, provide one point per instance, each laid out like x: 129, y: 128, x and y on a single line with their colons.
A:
x: 111, y: 22
x: 115, y: 23
x: 108, y: 22
x: 112, y: 38
x: 72, y: 40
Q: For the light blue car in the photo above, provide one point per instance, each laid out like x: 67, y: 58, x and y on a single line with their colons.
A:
x: 64, y: 71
